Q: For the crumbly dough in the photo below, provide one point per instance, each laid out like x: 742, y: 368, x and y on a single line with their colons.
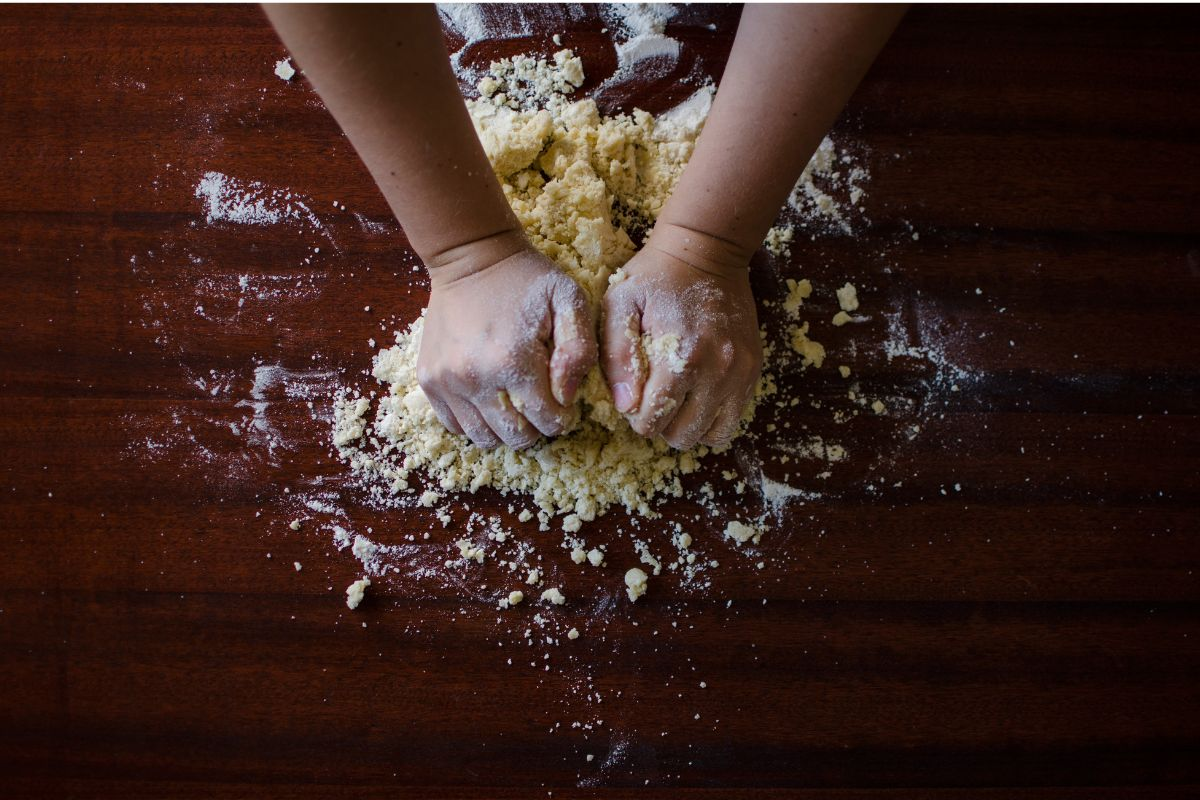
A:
x: 578, y: 183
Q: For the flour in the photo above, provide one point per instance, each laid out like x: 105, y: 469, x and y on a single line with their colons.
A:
x: 227, y: 199
x: 643, y: 48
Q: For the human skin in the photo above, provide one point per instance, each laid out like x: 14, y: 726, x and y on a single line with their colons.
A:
x: 384, y: 74
x: 791, y: 71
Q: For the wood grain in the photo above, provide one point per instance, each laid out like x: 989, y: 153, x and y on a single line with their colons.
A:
x: 1030, y: 634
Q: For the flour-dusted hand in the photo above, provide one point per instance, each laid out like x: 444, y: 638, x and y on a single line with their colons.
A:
x: 681, y: 348
x: 505, y: 348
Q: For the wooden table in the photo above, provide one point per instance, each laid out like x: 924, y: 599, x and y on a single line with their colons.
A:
x: 1017, y: 619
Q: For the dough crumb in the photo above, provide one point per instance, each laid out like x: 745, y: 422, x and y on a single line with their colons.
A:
x: 356, y: 591
x: 515, y: 597
x: 798, y: 292
x: 595, y: 557
x: 553, y: 595
x: 741, y: 532
x: 841, y: 318
x: 469, y: 551
x: 635, y: 583
x: 811, y: 353
x: 573, y: 634
x: 297, y: 565
x: 844, y: 370
x: 284, y: 69
x: 848, y: 297
x: 664, y: 350
x: 779, y: 240
x: 295, y: 525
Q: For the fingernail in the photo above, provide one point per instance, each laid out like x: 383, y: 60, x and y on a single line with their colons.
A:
x: 623, y: 397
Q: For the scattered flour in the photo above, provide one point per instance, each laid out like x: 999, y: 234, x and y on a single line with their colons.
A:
x: 227, y: 199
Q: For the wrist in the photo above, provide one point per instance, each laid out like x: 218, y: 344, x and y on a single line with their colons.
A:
x: 699, y: 249
x: 459, y: 261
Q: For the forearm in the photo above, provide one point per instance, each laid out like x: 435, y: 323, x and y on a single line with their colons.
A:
x: 791, y: 71
x: 384, y: 74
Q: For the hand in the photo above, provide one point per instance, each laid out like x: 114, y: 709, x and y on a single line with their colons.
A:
x: 682, y: 352
x: 505, y: 347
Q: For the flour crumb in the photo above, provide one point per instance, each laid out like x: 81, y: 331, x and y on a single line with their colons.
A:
x: 664, y: 350
x: 553, y: 595
x: 848, y: 297
x: 635, y: 583
x: 356, y: 591
x: 741, y: 533
x: 284, y: 69
x: 812, y: 353
x: 797, y: 292
x: 779, y: 240
x: 469, y: 552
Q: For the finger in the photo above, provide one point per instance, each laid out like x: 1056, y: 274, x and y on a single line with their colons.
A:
x: 624, y: 368
x: 725, y: 424
x: 444, y: 414
x: 574, y: 342
x: 512, y: 428
x: 693, y: 420
x: 532, y: 399
x: 661, y: 400
x: 472, y: 423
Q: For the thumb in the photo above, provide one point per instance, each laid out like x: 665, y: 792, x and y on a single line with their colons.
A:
x: 623, y: 365
x: 574, y: 343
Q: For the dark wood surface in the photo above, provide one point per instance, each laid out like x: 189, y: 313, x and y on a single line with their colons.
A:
x: 1032, y: 634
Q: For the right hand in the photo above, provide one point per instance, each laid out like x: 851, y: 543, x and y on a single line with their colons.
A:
x: 505, y: 349
x: 697, y: 293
